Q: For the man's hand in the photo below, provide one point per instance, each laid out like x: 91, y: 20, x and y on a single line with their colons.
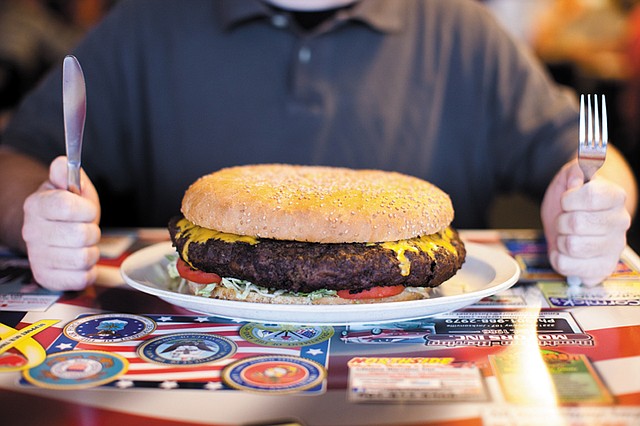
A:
x: 585, y: 224
x: 61, y: 231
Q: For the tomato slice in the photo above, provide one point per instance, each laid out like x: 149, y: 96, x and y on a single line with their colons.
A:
x: 372, y: 293
x: 196, y: 276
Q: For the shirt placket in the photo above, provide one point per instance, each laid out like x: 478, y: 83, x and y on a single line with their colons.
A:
x: 303, y: 96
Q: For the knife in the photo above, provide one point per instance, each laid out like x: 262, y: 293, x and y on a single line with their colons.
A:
x: 74, y: 106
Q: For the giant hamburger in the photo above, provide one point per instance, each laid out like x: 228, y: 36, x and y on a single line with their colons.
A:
x: 276, y: 233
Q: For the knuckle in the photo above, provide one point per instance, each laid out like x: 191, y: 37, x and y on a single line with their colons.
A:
x: 62, y: 280
x: 87, y: 257
x: 625, y: 220
x: 29, y: 204
x: 569, y: 223
x: 564, y: 223
x: 90, y: 234
x: 29, y: 234
x: 587, y: 223
x: 75, y: 234
x: 592, y: 196
x: 579, y: 223
x: 563, y: 264
x: 61, y: 208
x: 573, y: 245
x: 93, y: 234
x: 40, y: 276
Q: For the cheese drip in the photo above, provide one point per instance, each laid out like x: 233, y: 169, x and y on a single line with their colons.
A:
x: 426, y: 243
x: 198, y: 234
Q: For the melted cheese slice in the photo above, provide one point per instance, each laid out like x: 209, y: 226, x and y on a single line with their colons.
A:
x: 198, y: 234
x: 426, y: 243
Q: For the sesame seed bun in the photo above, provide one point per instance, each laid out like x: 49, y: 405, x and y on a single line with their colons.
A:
x: 317, y: 204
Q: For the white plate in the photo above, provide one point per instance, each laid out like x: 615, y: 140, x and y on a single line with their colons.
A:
x: 485, y: 272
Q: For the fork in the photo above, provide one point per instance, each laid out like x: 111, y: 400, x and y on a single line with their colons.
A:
x: 592, y: 147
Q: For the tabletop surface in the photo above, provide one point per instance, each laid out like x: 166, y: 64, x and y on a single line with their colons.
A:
x: 536, y: 353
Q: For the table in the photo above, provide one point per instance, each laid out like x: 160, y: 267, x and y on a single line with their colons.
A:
x: 528, y: 355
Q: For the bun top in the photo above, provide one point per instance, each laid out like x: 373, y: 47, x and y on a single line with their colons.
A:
x: 317, y: 204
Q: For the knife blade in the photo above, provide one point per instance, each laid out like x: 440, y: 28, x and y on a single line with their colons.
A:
x: 74, y: 105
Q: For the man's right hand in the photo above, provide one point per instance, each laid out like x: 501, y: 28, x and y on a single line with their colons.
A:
x: 61, y: 231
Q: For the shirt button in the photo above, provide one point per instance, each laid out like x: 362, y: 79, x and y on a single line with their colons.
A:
x: 279, y: 21
x: 304, y: 54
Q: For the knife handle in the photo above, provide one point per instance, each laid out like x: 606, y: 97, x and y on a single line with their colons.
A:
x: 73, y: 178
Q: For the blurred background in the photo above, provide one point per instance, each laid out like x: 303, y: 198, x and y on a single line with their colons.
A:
x: 590, y: 46
x: 34, y: 36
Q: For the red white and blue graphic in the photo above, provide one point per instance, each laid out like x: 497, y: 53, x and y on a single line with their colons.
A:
x: 182, y: 336
x: 186, y: 349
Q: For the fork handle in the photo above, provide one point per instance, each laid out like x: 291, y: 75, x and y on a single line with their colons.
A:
x: 573, y: 281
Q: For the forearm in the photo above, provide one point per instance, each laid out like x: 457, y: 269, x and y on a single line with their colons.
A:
x: 20, y: 176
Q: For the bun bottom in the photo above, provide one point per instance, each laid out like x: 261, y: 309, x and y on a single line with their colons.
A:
x: 223, y: 293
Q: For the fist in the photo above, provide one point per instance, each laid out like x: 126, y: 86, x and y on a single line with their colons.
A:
x: 585, y: 225
x: 61, y: 231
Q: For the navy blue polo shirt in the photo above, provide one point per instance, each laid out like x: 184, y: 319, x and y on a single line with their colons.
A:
x: 180, y: 88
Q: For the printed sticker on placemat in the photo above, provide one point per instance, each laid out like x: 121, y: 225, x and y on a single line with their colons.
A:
x: 609, y: 293
x: 551, y: 377
x: 19, y: 292
x: 414, y: 379
x: 274, y: 374
x: 507, y: 328
x: 283, y: 335
x: 186, y: 349
x: 109, y: 328
x: 77, y: 370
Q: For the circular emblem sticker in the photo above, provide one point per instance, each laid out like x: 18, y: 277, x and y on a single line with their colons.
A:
x: 285, y: 335
x: 109, y: 328
x: 279, y: 374
x: 77, y: 370
x: 186, y: 349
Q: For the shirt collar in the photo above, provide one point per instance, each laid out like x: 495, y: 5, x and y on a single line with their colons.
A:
x: 382, y: 15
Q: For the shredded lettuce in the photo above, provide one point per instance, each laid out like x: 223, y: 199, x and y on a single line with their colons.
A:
x: 243, y: 288
x: 172, y: 266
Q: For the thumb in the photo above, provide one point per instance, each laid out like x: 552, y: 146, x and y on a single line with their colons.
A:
x: 58, y: 172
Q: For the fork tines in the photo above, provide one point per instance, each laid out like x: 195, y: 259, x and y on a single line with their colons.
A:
x: 591, y: 135
x: 592, y: 146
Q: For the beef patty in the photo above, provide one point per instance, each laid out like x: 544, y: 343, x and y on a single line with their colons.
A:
x: 305, y: 267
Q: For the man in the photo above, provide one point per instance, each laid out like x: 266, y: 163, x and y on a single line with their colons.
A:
x: 178, y: 89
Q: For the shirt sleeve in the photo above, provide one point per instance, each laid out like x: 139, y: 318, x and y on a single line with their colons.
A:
x: 533, y: 121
